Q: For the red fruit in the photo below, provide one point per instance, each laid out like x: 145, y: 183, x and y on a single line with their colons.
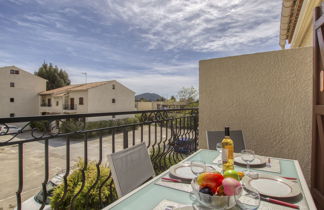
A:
x: 220, y: 190
x: 210, y: 180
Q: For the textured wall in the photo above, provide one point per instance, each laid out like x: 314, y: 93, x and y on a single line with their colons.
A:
x: 100, y: 100
x: 144, y: 105
x: 267, y: 95
x: 25, y: 93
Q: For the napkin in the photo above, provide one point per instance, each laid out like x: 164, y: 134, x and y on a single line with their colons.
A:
x: 165, y: 204
x: 275, y: 165
x: 186, y: 187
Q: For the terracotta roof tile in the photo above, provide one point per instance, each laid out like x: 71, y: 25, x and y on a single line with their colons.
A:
x: 70, y: 88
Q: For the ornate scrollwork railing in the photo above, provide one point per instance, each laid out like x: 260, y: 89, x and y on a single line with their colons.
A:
x: 170, y: 135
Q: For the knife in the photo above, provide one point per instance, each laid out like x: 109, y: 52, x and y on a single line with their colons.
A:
x: 271, y: 200
x: 290, y: 178
x: 171, y: 180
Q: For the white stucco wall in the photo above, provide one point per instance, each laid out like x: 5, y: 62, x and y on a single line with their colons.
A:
x: 25, y: 93
x: 144, y: 105
x: 100, y: 99
x: 267, y: 95
x: 80, y: 109
x: 53, y: 109
x: 57, y: 108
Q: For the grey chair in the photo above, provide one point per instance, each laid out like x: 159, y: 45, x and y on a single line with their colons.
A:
x: 214, y: 137
x: 130, y: 168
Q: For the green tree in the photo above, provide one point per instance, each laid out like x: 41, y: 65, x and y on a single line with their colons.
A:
x: 55, y: 77
x: 143, y: 100
x: 173, y: 99
x: 161, y: 99
x: 187, y: 94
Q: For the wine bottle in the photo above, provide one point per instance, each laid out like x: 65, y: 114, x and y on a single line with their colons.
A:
x: 227, y: 151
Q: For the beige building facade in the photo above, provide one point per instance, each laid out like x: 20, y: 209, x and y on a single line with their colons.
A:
x: 296, y: 24
x: 19, y: 91
x: 267, y: 95
x: 107, y: 96
x: 155, y: 105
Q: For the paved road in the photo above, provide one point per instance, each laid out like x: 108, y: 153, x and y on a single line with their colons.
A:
x: 34, y: 162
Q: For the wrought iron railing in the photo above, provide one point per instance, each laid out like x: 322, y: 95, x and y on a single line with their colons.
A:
x: 69, y: 106
x: 45, y: 105
x: 170, y: 135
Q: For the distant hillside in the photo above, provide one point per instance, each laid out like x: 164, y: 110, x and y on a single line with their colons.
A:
x: 148, y: 96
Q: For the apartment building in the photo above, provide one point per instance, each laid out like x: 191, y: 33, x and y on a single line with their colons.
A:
x: 19, y: 91
x: 107, y: 96
x: 154, y: 105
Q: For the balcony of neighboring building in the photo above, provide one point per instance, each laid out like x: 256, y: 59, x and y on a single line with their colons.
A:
x: 69, y: 107
x: 45, y: 105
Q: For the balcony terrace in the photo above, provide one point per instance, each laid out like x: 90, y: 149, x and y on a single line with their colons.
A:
x: 38, y: 154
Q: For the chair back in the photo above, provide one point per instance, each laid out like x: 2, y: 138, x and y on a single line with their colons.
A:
x: 130, y: 168
x: 214, y: 137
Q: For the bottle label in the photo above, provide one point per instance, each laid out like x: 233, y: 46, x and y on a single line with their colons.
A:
x: 224, y: 155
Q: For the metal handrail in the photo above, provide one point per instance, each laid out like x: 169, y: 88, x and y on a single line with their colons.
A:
x: 69, y: 107
x: 171, y: 125
x: 101, y: 114
x: 45, y: 105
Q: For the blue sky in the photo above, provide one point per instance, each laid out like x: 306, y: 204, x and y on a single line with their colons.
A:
x: 148, y: 45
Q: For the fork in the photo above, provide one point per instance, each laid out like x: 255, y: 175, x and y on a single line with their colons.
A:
x: 269, y: 162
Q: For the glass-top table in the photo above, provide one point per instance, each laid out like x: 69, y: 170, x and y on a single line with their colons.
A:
x: 150, y: 194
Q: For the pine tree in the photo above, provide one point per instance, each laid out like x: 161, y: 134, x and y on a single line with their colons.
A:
x: 55, y: 77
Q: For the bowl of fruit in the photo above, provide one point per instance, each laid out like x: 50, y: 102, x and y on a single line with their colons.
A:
x: 215, y: 190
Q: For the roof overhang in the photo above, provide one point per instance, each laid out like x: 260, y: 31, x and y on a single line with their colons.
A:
x: 305, y: 21
x: 289, y: 17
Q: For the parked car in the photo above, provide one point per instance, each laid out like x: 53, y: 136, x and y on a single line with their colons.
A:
x: 8, y: 130
x: 35, y: 202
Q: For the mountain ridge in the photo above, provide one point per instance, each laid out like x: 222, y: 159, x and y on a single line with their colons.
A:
x: 148, y: 97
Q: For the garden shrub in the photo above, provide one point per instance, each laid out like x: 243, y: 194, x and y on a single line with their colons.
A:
x: 74, y: 184
x: 42, y: 125
x: 108, y: 193
x: 74, y: 126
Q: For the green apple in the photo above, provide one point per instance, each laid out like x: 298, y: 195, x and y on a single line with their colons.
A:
x: 232, y: 174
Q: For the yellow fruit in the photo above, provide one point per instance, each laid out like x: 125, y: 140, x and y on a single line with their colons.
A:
x: 200, y: 178
x: 241, y: 174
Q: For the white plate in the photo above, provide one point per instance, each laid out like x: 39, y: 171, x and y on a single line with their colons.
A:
x: 272, y: 186
x: 258, y: 160
x: 183, y: 171
x: 185, y: 208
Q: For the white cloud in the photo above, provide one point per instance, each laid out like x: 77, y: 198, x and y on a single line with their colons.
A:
x: 140, y: 82
x: 192, y: 26
x: 197, y: 25
x: 165, y: 85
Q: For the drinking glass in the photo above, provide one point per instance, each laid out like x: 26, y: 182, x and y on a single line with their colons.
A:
x: 198, y: 167
x: 248, y: 157
x: 219, y: 148
x: 247, y: 199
